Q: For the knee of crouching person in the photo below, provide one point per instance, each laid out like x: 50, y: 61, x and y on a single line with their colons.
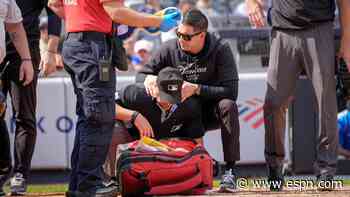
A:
x: 271, y: 106
x: 227, y: 105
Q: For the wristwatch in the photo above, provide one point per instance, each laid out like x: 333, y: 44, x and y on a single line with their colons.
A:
x: 133, y: 117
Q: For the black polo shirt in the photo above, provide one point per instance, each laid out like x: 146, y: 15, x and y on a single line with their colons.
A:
x: 300, y: 14
x: 182, y: 120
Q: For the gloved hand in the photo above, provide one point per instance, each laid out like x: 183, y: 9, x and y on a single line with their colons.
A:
x: 171, y: 18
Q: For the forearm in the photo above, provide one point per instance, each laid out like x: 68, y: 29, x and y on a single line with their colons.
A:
x: 127, y: 16
x: 227, y: 75
x: 57, y: 7
x: 150, y: 70
x: 52, y: 44
x: 344, y: 10
x: 122, y: 113
x: 19, y: 39
x: 219, y: 92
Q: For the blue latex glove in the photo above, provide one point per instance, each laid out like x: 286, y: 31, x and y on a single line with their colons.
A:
x: 171, y: 18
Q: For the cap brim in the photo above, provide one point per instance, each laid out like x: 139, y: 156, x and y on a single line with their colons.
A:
x: 173, y: 99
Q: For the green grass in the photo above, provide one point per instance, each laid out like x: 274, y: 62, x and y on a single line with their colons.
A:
x: 346, y: 182
x: 54, y: 188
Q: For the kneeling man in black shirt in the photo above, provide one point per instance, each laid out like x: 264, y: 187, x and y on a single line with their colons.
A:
x: 165, y: 116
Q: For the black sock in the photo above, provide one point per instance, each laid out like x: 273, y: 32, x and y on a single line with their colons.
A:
x: 230, y: 165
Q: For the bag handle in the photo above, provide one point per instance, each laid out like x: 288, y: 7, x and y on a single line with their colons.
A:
x: 177, y: 187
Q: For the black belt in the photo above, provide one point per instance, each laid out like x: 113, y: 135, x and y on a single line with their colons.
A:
x: 88, y: 35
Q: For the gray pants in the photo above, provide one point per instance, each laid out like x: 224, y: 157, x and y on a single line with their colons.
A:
x: 291, y: 52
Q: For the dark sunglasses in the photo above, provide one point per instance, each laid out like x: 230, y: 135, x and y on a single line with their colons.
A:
x: 186, y: 37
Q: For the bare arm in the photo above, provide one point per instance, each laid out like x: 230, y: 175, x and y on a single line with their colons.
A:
x: 344, y: 10
x: 141, y: 122
x: 48, y: 60
x: 52, y: 45
x: 19, y: 39
x: 123, y: 114
x: 57, y: 7
x: 127, y: 16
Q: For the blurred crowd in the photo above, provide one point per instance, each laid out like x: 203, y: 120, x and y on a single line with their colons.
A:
x: 140, y: 43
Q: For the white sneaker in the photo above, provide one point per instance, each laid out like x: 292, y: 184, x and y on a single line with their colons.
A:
x: 18, y: 185
x: 228, y: 182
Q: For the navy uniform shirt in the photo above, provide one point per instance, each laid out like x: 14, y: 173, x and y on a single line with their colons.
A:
x: 182, y: 120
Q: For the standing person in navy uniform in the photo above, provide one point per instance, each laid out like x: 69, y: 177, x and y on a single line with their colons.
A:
x: 86, y: 55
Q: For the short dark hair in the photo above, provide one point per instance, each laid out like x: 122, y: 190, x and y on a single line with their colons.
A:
x: 196, y: 19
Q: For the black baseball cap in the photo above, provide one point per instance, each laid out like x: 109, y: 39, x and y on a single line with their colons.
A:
x: 169, y: 82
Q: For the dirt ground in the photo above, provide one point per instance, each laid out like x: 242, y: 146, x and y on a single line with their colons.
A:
x: 345, y: 192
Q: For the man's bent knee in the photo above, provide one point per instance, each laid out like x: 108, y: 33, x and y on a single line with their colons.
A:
x: 271, y: 106
x: 227, y: 105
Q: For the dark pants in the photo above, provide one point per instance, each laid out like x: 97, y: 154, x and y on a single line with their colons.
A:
x: 291, y: 52
x: 95, y: 109
x: 121, y: 135
x: 224, y: 114
x: 24, y: 107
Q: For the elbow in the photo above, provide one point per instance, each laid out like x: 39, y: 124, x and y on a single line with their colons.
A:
x: 235, y: 93
x: 116, y: 15
x: 235, y: 97
x: 233, y: 90
x: 52, y: 5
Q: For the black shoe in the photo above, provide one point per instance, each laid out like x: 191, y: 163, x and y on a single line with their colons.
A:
x: 275, y: 178
x: 326, y: 183
x: 110, y: 191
